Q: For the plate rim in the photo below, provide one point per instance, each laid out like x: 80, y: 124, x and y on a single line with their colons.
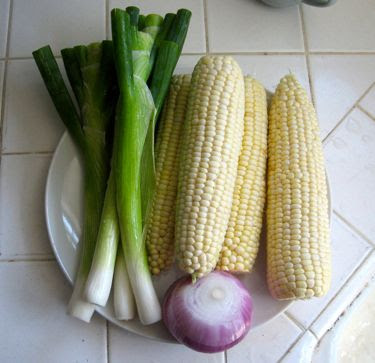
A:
x: 47, y: 197
x: 100, y: 310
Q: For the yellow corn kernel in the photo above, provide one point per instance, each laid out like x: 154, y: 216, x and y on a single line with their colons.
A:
x: 245, y: 224
x: 298, y: 236
x: 160, y: 232
x: 211, y: 146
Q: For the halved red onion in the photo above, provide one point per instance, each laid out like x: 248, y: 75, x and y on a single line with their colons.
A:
x: 209, y: 316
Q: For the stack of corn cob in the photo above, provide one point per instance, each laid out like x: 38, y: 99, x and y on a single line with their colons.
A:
x: 211, y: 181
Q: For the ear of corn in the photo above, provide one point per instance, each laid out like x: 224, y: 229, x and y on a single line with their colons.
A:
x: 242, y: 236
x: 160, y: 233
x: 211, y: 145
x: 298, y: 241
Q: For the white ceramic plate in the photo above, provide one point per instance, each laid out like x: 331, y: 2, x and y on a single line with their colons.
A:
x: 64, y: 219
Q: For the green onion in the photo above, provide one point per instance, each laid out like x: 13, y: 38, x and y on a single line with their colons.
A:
x: 91, y: 73
x: 167, y: 54
x: 152, y: 24
x: 143, y: 55
x: 56, y: 87
x: 141, y: 21
x: 134, y: 111
x: 136, y: 116
x: 99, y: 280
x: 133, y: 12
x: 123, y: 299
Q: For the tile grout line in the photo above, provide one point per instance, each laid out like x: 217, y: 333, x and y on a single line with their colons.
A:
x: 364, y: 287
x: 5, y: 75
x: 205, y: 19
x: 372, y: 117
x: 254, y: 53
x: 332, y: 132
x: 340, y: 289
x: 58, y: 56
x: 366, y: 256
x: 307, y: 55
x: 2, y: 113
x: 194, y: 53
x: 294, y: 320
x: 290, y: 348
x: 342, y: 52
x: 330, y: 301
x: 298, y: 325
x: 106, y: 19
x: 316, y: 337
x: 3, y: 90
x: 6, y: 153
x: 24, y: 259
x: 107, y: 339
x: 294, y: 343
x: 207, y: 50
x: 354, y: 229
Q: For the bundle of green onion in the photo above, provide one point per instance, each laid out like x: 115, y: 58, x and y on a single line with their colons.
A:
x: 120, y: 87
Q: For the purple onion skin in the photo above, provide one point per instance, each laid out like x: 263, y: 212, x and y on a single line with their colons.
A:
x: 195, y: 334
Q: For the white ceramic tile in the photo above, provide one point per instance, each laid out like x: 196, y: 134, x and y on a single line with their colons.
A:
x: 269, y: 69
x: 31, y: 122
x: 350, y: 159
x: 325, y: 350
x: 348, y: 251
x: 249, y: 25
x: 268, y: 343
x: 368, y: 102
x: 345, y: 297
x: 356, y: 326
x: 331, y: 342
x: 186, y: 64
x: 34, y: 324
x: 22, y: 225
x: 58, y: 23
x: 339, y: 81
x: 4, y: 17
x: 195, y: 40
x: 346, y: 26
x: 302, y: 351
x: 126, y: 347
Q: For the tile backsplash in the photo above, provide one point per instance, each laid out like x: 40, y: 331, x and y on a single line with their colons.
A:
x: 332, y: 53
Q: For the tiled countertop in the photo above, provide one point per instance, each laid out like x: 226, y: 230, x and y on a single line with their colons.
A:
x: 332, y: 52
